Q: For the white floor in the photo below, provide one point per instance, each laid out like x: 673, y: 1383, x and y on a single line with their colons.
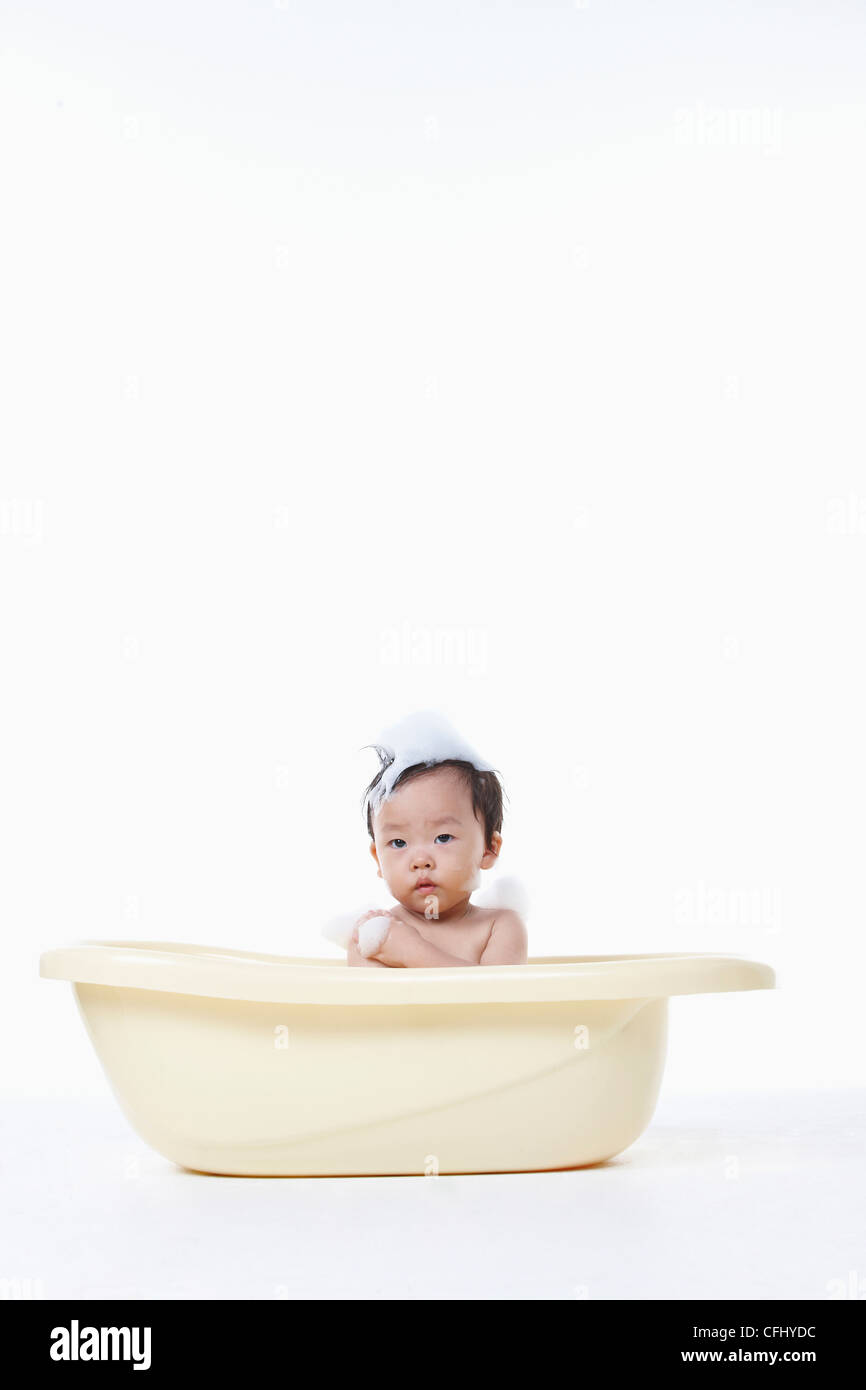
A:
x: 732, y: 1196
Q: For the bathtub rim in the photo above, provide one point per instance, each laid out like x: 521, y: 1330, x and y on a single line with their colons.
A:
x: 259, y: 977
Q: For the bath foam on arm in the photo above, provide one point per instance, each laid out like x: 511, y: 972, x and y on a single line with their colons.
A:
x: 371, y: 934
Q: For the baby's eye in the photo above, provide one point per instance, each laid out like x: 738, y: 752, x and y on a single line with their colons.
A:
x: 398, y: 841
x: 443, y: 836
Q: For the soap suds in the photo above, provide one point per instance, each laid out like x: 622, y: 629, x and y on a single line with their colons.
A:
x: 371, y: 934
x: 339, y: 929
x: 426, y: 737
x: 505, y: 891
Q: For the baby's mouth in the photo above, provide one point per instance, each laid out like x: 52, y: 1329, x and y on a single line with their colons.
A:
x: 425, y: 887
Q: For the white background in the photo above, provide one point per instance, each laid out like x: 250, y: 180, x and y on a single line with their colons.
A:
x: 503, y: 359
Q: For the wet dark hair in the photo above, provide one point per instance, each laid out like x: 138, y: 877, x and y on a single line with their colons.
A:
x: 485, y: 787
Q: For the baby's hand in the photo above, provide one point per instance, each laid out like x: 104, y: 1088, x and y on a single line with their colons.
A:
x: 401, y: 939
x: 370, y: 931
x: 398, y: 941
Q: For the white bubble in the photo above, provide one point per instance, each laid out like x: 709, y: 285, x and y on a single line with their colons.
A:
x: 424, y: 737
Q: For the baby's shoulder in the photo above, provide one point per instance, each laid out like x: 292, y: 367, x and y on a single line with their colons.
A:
x: 494, y: 914
x: 484, y: 914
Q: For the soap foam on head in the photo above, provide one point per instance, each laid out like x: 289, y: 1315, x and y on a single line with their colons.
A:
x: 425, y: 737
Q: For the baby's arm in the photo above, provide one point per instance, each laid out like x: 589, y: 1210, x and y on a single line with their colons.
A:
x: 368, y: 937
x: 399, y: 945
x: 508, y: 943
x: 354, y: 957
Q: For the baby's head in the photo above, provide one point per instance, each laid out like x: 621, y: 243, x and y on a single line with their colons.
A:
x: 435, y: 824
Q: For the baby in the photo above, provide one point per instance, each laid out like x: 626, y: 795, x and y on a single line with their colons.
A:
x: 434, y: 823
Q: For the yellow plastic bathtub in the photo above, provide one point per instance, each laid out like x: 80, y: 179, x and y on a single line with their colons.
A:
x: 241, y: 1063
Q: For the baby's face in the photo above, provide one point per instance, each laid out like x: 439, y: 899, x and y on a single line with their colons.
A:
x: 427, y: 834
